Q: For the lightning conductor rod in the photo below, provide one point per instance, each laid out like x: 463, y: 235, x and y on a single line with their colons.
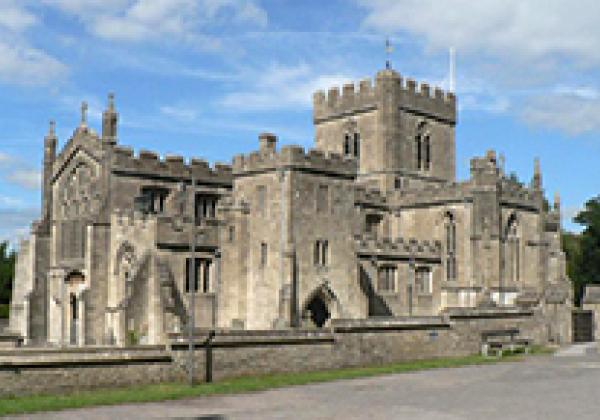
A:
x: 192, y: 283
x: 452, y: 70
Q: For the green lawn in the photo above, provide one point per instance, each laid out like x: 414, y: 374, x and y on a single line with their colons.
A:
x: 172, y: 391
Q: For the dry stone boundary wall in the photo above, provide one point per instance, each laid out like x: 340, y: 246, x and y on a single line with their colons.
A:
x: 237, y: 353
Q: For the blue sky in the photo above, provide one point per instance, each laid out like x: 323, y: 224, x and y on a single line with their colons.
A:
x: 204, y: 77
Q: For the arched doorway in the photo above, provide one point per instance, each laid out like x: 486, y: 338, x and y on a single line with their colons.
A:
x: 321, y: 305
x: 73, y: 321
x: 317, y: 310
x: 73, y: 283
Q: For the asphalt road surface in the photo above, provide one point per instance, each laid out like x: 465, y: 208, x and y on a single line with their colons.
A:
x: 542, y: 387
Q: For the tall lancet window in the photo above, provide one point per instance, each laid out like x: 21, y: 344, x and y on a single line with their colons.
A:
x: 357, y: 145
x: 427, y: 152
x: 513, y: 250
x: 347, y: 145
x: 422, y: 148
x: 450, y: 225
x: 418, y: 142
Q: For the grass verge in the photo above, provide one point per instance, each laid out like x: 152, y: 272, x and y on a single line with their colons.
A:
x: 173, y: 391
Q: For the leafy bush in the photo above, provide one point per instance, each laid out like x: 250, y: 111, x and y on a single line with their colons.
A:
x: 7, y: 272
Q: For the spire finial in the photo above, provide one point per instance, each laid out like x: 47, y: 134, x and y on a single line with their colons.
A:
x: 537, y: 174
x: 388, y: 52
x: 557, y: 201
x: 84, y: 109
x: 111, y: 101
x: 52, y: 128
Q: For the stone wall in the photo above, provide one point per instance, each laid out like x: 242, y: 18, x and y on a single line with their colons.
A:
x: 27, y: 372
x: 348, y: 343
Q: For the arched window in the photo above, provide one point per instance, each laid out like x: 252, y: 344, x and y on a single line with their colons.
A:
x: 513, y: 248
x: 347, y: 145
x: 427, y: 152
x: 418, y: 151
x: 450, y: 225
x: 422, y: 148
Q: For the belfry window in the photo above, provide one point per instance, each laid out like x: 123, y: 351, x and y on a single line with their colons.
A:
x: 450, y: 225
x: 427, y: 152
x: 357, y: 146
x: 422, y: 148
x: 347, y: 145
x: 352, y: 144
x: 418, y: 150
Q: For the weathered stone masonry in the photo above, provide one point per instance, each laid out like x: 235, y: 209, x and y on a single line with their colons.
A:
x: 370, y: 223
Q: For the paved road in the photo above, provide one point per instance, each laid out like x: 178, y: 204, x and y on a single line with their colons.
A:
x: 547, y: 387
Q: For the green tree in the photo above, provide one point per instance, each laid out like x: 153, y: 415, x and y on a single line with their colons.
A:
x: 571, y: 246
x: 585, y: 250
x: 7, y: 272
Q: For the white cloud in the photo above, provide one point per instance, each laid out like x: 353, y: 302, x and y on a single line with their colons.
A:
x: 19, y: 173
x: 527, y: 30
x: 4, y: 158
x: 142, y: 20
x: 25, y: 65
x: 6, y: 201
x: 568, y: 213
x: 179, y: 112
x: 27, y: 178
x: 14, y: 17
x: 21, y: 63
x: 569, y: 113
x: 15, y: 222
x: 280, y: 86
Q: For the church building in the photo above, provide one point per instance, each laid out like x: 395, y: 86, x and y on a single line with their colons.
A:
x: 371, y: 223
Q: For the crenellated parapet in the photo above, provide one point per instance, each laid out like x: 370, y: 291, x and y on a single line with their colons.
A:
x: 400, y: 248
x: 172, y: 166
x: 368, y: 95
x: 294, y: 157
x: 369, y: 197
x: 432, y: 194
x: 127, y: 220
x: 516, y: 194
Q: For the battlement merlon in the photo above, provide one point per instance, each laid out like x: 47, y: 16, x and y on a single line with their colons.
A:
x: 172, y: 166
x: 294, y: 157
x: 418, y: 99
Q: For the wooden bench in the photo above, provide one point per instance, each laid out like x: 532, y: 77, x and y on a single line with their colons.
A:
x: 502, y: 340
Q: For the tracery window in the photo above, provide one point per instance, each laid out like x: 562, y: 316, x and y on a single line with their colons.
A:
x: 450, y: 225
x: 79, y: 196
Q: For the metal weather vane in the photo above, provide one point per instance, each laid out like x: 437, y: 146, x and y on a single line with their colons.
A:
x: 388, y: 52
